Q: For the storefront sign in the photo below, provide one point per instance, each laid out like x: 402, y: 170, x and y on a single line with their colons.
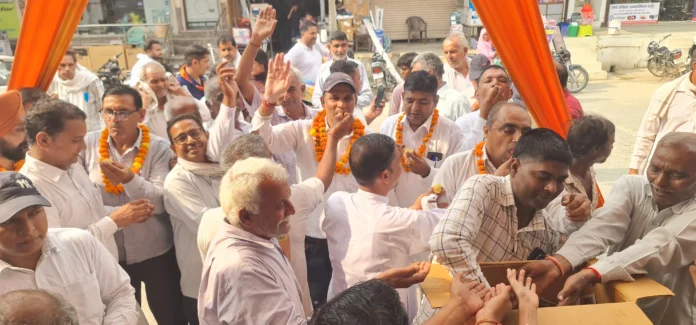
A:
x: 635, y: 13
x: 9, y: 21
x: 472, y: 18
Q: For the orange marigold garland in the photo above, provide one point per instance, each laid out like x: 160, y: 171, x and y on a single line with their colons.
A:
x: 138, y: 161
x: 16, y: 167
x: 480, y: 164
x: 318, y: 132
x: 424, y: 146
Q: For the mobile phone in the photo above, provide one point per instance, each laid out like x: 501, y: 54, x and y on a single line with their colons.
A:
x: 536, y: 254
x: 380, y: 97
x: 434, y: 156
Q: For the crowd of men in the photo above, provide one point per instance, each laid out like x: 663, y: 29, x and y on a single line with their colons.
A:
x: 233, y: 201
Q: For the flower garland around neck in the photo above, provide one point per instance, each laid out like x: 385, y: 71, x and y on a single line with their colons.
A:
x: 424, y: 146
x: 138, y: 161
x: 319, y: 134
x: 16, y: 167
x: 480, y: 164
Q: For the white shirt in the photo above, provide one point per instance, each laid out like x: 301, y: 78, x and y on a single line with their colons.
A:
x: 74, y: 265
x: 459, y: 82
x: 306, y: 60
x: 364, y: 97
x: 367, y: 236
x: 445, y: 140
x: 296, y: 136
x: 641, y: 240
x: 305, y: 197
x: 75, y: 201
x: 458, y: 168
x: 141, y: 241
x: 188, y: 195
x: 143, y: 59
x: 452, y: 104
x: 222, y: 132
x: 471, y: 129
x: 247, y: 280
x: 85, y: 91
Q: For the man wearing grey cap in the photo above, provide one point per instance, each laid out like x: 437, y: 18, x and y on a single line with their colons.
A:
x: 68, y: 261
x: 307, y: 139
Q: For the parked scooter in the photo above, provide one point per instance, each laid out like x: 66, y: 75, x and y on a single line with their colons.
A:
x: 110, y: 73
x: 380, y: 74
x: 577, y: 75
x: 665, y: 63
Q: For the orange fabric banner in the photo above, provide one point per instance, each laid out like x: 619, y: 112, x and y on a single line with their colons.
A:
x: 46, y: 32
x: 517, y: 32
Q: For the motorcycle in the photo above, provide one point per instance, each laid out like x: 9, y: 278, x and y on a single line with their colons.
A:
x: 665, y: 63
x: 110, y: 73
x: 577, y: 75
x: 380, y: 73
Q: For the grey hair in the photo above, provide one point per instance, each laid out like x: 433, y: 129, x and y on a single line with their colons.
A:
x: 151, y: 65
x: 176, y: 102
x: 297, y: 75
x: 63, y: 312
x: 459, y: 38
x: 241, y: 185
x: 430, y: 61
x: 246, y: 146
x: 212, y: 89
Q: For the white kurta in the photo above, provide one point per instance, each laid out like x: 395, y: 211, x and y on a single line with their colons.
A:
x: 367, y: 236
x: 452, y: 104
x: 85, y: 91
x: 445, y: 140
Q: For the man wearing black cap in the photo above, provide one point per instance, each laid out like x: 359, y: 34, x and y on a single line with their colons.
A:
x: 308, y: 138
x: 68, y: 261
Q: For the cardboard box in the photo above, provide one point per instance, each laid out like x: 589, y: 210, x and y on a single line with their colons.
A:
x: 132, y: 57
x: 615, y: 301
x: 83, y: 57
x: 101, y: 54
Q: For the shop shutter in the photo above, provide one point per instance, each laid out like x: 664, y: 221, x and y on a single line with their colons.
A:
x: 435, y: 13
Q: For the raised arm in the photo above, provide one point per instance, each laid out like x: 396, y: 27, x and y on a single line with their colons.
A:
x: 263, y: 28
x: 223, y: 132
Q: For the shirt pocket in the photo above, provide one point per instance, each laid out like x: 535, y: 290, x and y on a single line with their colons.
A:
x: 85, y: 295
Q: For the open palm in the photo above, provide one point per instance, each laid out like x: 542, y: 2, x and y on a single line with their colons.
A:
x: 265, y: 23
x: 278, y: 78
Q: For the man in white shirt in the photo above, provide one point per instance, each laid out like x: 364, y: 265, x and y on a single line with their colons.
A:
x: 154, y: 52
x: 227, y: 126
x: 452, y: 104
x: 55, y: 130
x: 456, y: 48
x: 506, y: 123
x: 191, y: 189
x: 38, y: 307
x: 13, y: 139
x: 68, y: 261
x: 75, y: 84
x: 338, y: 46
x: 127, y: 162
x: 304, y: 137
x: 494, y: 219
x: 305, y: 55
x: 426, y: 138
x: 227, y: 49
x: 648, y: 226
x: 156, y: 88
x: 672, y: 109
x: 493, y: 88
x: 366, y: 235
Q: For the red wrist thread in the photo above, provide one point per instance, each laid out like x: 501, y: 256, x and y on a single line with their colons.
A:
x: 599, y: 276
x: 487, y: 321
x: 558, y: 264
x: 267, y: 104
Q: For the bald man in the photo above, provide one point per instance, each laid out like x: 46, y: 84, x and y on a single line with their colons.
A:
x: 648, y: 226
x: 13, y: 141
x: 36, y: 307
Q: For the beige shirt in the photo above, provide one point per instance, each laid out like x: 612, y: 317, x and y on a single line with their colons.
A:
x: 445, y: 141
x: 247, y: 280
x: 642, y: 240
x: 74, y: 265
x: 668, y: 112
x: 457, y: 169
x: 574, y: 185
x: 452, y: 104
x: 75, y: 201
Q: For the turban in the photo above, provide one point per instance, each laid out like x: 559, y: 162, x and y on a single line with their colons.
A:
x: 11, y: 111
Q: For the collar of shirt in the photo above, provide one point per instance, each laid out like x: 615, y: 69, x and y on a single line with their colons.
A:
x: 685, y: 87
x: 489, y: 165
x: 678, y: 208
x: 48, y: 248
x: 373, y: 196
x: 281, y: 112
x: 537, y: 223
x: 238, y: 233
x: 425, y: 125
x: 45, y: 170
x: 136, y: 145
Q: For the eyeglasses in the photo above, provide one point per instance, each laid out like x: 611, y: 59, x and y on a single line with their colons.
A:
x: 119, y: 115
x: 182, y: 138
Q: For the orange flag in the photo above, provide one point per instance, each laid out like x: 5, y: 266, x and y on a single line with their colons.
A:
x: 46, y: 32
x: 517, y: 32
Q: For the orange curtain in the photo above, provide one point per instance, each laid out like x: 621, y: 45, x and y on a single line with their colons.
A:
x: 46, y: 32
x: 517, y: 32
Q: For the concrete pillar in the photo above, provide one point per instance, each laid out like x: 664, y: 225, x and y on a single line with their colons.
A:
x: 570, y: 8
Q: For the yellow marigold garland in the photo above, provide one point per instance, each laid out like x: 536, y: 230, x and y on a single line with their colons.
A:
x: 16, y: 167
x: 478, y: 152
x: 424, y: 146
x: 318, y: 132
x: 138, y: 161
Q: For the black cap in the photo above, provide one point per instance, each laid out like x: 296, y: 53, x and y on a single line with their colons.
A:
x: 17, y: 192
x: 476, y: 66
x: 337, y: 78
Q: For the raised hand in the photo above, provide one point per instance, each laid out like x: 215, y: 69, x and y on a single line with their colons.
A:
x: 468, y: 294
x: 264, y: 26
x: 524, y: 288
x: 495, y: 309
x: 504, y: 169
x: 277, y: 80
x: 374, y: 110
x: 228, y: 86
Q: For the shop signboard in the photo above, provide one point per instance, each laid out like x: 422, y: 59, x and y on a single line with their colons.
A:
x: 471, y: 17
x: 635, y: 13
x: 9, y: 20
